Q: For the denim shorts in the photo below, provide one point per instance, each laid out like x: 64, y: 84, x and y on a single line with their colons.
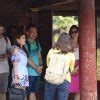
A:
x: 34, y: 82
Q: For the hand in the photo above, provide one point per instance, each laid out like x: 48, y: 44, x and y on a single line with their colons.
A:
x: 77, y: 67
x: 15, y: 80
x: 74, y: 72
x: 39, y: 69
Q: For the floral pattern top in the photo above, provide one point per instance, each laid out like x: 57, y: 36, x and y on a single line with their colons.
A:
x: 21, y: 58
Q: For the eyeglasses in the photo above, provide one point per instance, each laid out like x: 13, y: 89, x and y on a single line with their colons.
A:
x: 74, y: 32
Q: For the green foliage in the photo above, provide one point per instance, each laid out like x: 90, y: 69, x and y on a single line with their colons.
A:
x: 64, y: 22
x: 98, y: 57
x: 98, y: 64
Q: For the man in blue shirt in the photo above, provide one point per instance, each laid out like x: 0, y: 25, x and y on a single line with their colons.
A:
x: 34, y: 49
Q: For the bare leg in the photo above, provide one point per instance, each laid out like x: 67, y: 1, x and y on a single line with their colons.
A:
x: 70, y: 96
x: 32, y: 96
x: 25, y: 98
x: 77, y: 96
x: 2, y: 96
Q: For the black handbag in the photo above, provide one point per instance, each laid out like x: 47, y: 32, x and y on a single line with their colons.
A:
x: 16, y: 93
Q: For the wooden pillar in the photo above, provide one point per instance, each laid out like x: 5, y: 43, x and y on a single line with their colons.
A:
x: 45, y: 39
x: 45, y: 32
x: 88, y: 82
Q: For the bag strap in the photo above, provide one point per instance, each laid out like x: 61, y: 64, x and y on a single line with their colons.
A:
x: 5, y: 37
x: 28, y: 45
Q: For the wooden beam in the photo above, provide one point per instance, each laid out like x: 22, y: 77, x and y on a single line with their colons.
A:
x: 66, y: 13
x: 46, y: 3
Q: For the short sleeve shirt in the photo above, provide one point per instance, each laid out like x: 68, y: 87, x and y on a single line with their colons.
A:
x: 35, y: 48
x: 21, y: 58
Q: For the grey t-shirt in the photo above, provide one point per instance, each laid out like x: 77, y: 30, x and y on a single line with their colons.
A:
x: 4, y: 47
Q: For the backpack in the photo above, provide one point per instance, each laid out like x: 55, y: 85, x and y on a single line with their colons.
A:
x: 57, y: 69
x: 29, y: 47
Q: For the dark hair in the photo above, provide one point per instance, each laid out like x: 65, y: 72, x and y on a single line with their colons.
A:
x: 63, y: 43
x: 28, y: 28
x: 31, y: 26
x: 17, y: 36
x: 73, y: 27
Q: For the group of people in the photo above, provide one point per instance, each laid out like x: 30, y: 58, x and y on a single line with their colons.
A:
x: 62, y: 73
x: 26, y: 59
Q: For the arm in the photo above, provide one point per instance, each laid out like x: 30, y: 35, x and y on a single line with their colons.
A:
x: 40, y: 59
x: 39, y: 69
x: 8, y: 48
x: 15, y: 77
x: 77, y: 65
x: 72, y: 63
x: 8, y: 45
x: 15, y: 68
x: 76, y: 68
x: 48, y: 57
x: 69, y: 65
x: 31, y: 63
x: 15, y: 59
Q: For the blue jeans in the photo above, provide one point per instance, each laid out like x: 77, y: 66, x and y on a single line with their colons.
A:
x: 51, y: 90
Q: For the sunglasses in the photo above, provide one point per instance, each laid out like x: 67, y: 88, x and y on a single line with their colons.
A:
x: 72, y: 32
